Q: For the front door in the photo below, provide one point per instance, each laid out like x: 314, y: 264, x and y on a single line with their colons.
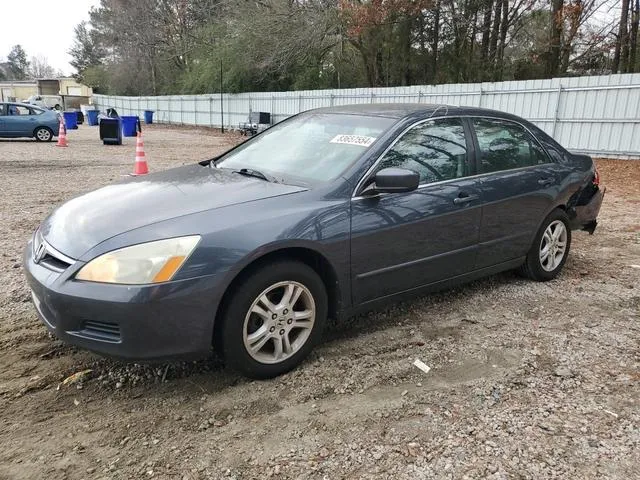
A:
x: 406, y: 240
x: 20, y: 121
x: 2, y: 123
x: 519, y: 186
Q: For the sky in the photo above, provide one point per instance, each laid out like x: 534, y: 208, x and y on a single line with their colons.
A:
x: 43, y: 28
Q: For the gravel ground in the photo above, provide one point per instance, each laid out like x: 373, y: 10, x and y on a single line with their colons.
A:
x: 528, y: 380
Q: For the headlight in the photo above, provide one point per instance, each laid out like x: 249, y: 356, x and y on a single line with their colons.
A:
x: 152, y: 262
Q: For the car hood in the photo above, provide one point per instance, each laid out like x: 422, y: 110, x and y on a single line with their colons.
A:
x: 87, y: 220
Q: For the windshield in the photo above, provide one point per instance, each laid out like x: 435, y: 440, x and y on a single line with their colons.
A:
x: 312, y: 147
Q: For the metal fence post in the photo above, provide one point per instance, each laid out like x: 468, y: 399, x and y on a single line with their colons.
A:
x: 331, y: 100
x: 555, y: 114
x: 480, y: 98
x: 181, y: 110
x: 273, y: 109
x: 419, y: 97
x: 299, y: 103
x: 371, y: 99
x: 210, y: 111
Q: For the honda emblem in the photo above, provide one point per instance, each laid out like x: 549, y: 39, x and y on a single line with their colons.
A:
x: 40, y: 253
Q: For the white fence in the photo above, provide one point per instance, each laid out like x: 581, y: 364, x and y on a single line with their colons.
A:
x: 598, y: 115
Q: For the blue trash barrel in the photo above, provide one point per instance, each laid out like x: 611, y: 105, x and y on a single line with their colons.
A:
x: 148, y: 117
x: 92, y: 117
x: 129, y: 125
x: 71, y: 120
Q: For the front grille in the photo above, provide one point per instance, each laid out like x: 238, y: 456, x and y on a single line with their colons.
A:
x: 54, y: 263
x: 47, y: 256
x: 103, y: 331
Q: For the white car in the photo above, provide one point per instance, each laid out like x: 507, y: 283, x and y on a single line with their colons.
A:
x: 45, y: 101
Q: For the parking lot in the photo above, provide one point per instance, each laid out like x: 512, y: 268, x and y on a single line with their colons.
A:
x: 527, y: 380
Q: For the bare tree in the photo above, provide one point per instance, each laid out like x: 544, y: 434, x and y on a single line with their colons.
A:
x: 622, y: 41
x: 40, y: 68
x: 633, y: 38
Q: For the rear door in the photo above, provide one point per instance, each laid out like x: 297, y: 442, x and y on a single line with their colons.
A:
x: 519, y: 184
x: 402, y: 241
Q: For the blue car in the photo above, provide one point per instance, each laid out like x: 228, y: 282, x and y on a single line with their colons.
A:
x: 22, y: 120
x: 327, y: 214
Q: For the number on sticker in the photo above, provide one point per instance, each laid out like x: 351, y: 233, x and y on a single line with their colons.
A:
x: 359, y: 140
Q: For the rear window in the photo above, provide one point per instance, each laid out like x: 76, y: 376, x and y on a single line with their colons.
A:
x: 506, y: 145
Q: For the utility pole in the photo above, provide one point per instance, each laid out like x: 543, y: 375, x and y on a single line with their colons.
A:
x: 221, y: 100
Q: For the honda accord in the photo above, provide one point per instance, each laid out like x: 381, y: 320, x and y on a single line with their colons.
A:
x: 328, y: 213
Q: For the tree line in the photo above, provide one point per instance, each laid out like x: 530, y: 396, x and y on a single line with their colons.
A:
x: 199, y: 46
x: 19, y: 67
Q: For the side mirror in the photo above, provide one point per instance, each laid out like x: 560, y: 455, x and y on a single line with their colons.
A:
x: 396, y: 180
x: 207, y: 163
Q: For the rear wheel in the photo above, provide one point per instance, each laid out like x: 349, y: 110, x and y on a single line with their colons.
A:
x: 43, y: 134
x: 550, y: 248
x: 273, y: 320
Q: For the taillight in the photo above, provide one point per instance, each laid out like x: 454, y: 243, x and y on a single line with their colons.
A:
x: 596, y: 178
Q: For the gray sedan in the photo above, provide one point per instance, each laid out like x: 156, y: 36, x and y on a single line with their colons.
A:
x: 331, y: 212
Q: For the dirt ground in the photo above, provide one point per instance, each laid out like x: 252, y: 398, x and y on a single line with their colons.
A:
x: 528, y: 380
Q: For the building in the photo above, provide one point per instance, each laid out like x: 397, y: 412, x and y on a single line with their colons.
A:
x: 17, y: 90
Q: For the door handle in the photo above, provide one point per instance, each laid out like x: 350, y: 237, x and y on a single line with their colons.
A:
x: 545, y: 181
x: 464, y: 198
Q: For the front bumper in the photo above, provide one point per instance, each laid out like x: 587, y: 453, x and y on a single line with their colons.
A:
x: 129, y: 322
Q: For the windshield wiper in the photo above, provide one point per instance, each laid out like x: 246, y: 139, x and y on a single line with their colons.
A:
x: 250, y: 172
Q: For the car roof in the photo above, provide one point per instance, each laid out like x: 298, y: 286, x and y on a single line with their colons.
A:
x: 21, y: 104
x: 404, y: 110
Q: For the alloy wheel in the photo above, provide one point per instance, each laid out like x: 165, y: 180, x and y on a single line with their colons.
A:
x: 279, y: 322
x: 553, y: 245
x: 43, y: 135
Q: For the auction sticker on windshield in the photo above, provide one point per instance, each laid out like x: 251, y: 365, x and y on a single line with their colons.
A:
x: 360, y: 140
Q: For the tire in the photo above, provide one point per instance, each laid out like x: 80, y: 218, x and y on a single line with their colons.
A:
x: 43, y: 134
x: 280, y: 343
x: 544, y: 268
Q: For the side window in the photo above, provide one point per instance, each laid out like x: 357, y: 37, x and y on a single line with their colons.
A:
x: 505, y: 145
x: 2, y: 109
x: 435, y: 149
x: 19, y: 110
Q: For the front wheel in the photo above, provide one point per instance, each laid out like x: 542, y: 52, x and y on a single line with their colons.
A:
x: 43, y: 134
x: 550, y: 248
x: 274, y: 319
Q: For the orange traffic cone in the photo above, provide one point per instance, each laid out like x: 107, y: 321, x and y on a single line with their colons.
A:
x: 141, y: 162
x: 62, y: 135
